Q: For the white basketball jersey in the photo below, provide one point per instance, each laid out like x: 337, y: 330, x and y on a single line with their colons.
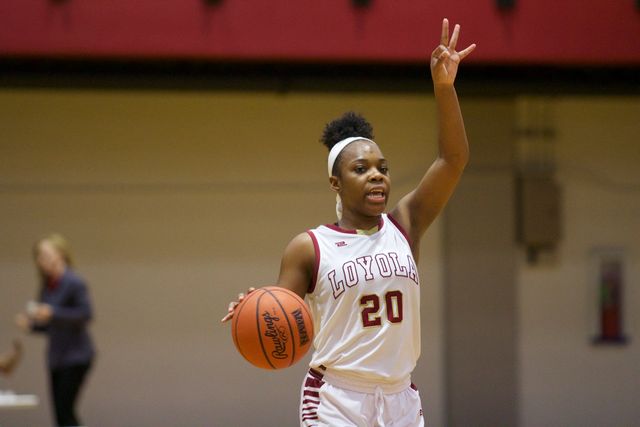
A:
x: 365, y: 301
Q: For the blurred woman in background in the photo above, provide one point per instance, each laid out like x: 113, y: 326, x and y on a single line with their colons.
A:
x: 62, y: 312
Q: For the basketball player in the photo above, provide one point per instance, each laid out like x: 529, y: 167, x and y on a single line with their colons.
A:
x: 359, y: 275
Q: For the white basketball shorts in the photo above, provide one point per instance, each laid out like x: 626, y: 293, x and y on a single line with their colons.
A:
x: 325, y: 405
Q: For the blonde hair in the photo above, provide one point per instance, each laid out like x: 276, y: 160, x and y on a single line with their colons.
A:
x: 60, y: 243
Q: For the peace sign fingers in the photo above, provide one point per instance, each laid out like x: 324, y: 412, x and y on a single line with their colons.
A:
x: 466, y: 51
x: 445, y: 58
x: 454, y: 37
x: 444, y: 35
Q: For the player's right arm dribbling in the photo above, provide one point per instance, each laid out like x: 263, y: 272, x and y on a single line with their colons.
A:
x: 296, y: 270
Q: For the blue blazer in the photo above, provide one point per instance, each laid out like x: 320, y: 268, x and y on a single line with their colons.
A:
x: 69, y: 340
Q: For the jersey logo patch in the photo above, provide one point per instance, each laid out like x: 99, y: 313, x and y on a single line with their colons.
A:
x: 341, y: 243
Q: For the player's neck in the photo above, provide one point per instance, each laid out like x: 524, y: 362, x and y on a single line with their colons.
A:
x: 363, y: 226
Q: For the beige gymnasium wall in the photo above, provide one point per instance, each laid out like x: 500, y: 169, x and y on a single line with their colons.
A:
x: 175, y: 202
x: 564, y: 380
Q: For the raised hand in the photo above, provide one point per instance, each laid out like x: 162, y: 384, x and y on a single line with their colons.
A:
x: 445, y: 59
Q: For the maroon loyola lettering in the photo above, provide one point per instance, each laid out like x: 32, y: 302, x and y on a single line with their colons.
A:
x: 371, y: 267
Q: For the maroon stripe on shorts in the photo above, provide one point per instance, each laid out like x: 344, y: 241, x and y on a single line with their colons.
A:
x: 316, y: 374
x: 311, y: 398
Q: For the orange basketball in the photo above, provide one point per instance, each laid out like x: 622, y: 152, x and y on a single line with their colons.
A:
x: 272, y: 328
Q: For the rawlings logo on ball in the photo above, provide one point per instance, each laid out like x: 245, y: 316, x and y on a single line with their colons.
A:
x: 277, y: 335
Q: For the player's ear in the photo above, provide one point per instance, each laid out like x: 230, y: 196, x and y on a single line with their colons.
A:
x: 334, y: 183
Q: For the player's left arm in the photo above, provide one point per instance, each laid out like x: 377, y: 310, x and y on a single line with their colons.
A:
x: 418, y: 209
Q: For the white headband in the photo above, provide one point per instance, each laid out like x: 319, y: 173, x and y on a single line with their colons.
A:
x: 337, y: 149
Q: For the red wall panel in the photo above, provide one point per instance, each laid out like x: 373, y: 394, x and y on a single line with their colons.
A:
x: 596, y: 32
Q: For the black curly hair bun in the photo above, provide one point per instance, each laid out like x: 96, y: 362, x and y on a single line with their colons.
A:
x: 348, y: 125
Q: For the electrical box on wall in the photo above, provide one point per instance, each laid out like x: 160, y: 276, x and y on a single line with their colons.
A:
x: 538, y: 210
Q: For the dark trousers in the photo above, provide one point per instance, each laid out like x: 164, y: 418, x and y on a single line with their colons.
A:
x: 65, y: 388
